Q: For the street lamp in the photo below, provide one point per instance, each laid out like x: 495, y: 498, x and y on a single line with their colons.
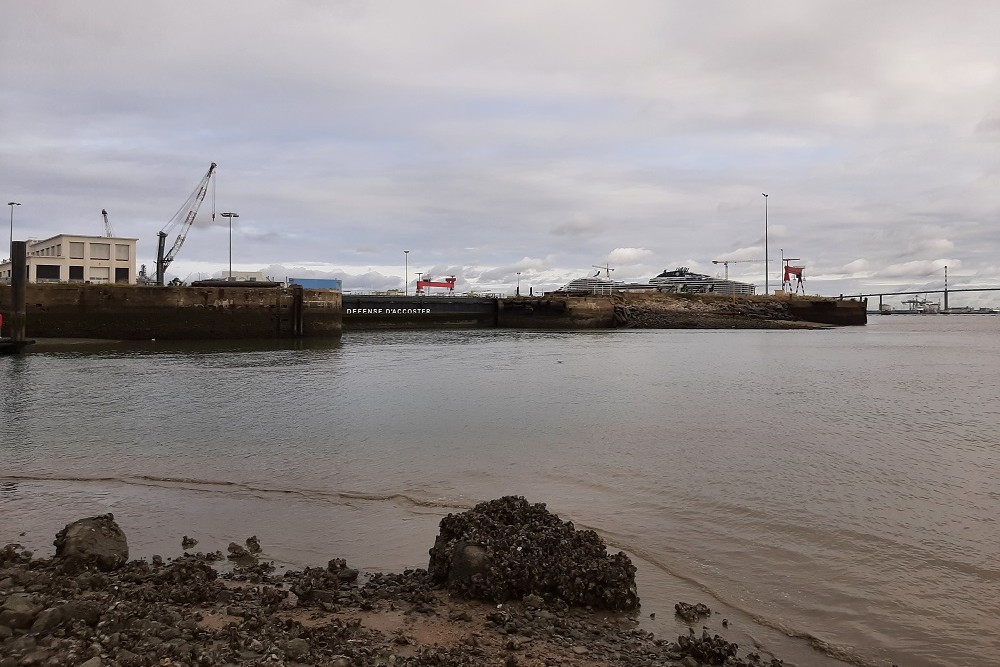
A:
x: 230, y: 215
x: 406, y: 273
x: 12, y: 204
x: 518, y: 292
x: 767, y: 289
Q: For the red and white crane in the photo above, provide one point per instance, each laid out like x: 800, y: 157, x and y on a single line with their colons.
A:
x: 448, y: 282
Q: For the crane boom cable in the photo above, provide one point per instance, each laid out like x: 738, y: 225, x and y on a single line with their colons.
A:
x: 191, y: 205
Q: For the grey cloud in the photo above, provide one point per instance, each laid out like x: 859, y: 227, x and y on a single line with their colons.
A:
x: 477, y: 137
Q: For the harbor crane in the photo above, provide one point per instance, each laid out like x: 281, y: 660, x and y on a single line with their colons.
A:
x: 182, y: 220
x: 107, y: 224
x: 448, y: 283
x: 790, y: 271
x: 727, y: 262
x: 606, y: 268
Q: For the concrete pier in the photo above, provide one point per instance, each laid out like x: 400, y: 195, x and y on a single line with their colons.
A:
x: 128, y: 312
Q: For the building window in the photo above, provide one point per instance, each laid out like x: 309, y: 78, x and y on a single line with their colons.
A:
x: 121, y: 275
x: 100, y: 251
x: 76, y: 273
x: 75, y: 250
x: 100, y: 274
x: 47, y: 272
x: 121, y: 252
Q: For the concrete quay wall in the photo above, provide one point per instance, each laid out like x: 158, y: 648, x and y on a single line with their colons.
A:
x: 579, y: 312
x: 436, y: 312
x: 143, y: 312
x: 839, y: 312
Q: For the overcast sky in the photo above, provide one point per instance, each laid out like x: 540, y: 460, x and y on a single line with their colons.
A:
x: 489, y: 138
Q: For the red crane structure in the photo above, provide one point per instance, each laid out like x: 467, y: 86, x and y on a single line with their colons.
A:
x: 448, y: 282
x: 790, y: 271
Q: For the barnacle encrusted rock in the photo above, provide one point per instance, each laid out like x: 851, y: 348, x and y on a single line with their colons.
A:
x: 508, y: 548
x: 96, y: 541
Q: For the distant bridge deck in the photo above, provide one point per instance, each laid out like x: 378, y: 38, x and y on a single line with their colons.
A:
x: 946, y: 292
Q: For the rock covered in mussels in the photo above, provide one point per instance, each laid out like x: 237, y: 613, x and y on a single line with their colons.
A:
x: 97, y: 541
x: 508, y: 548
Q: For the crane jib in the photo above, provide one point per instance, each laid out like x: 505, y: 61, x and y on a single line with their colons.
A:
x: 190, y: 210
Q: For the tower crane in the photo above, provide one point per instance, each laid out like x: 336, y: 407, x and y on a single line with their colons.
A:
x: 107, y: 224
x: 183, y: 219
x: 727, y: 262
x: 606, y: 268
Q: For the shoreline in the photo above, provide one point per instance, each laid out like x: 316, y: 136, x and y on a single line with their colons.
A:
x: 207, y: 608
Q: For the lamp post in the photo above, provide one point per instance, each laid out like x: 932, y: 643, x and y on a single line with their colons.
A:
x: 230, y: 215
x: 518, y: 292
x: 767, y: 287
x: 12, y: 204
x: 406, y: 273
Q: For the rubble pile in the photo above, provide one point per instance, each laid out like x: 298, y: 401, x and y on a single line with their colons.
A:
x: 508, y: 548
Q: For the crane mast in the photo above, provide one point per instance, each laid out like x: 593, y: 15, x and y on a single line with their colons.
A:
x: 727, y: 262
x: 107, y: 224
x: 184, y: 218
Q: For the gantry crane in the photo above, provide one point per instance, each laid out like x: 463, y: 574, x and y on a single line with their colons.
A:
x: 727, y: 262
x: 107, y: 224
x: 184, y: 217
x: 786, y: 283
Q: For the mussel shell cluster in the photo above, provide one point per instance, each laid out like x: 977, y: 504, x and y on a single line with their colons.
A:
x: 531, y: 551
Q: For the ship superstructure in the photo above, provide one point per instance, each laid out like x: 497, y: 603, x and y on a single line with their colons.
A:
x: 678, y: 281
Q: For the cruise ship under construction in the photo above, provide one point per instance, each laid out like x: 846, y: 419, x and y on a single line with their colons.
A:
x: 680, y: 280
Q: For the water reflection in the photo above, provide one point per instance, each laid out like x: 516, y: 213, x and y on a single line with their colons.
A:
x: 144, y: 347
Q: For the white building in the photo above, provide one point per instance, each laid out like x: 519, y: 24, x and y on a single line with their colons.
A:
x: 78, y: 259
x: 244, y: 276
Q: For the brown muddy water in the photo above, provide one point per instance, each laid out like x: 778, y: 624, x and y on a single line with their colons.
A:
x: 833, y: 493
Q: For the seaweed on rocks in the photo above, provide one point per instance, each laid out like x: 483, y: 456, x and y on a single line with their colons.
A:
x: 508, y: 548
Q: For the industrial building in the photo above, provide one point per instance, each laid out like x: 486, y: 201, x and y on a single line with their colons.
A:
x: 69, y: 258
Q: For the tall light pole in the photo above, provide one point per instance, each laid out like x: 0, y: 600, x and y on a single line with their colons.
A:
x: 767, y: 271
x: 12, y: 204
x: 518, y: 292
x: 230, y: 215
x: 406, y: 273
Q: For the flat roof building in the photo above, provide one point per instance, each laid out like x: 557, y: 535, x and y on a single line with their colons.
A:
x: 69, y: 258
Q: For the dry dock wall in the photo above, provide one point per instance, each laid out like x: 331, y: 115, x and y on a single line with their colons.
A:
x: 840, y: 312
x: 143, y: 312
x: 556, y: 313
x: 437, y: 312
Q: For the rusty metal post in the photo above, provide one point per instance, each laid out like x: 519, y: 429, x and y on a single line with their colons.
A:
x: 297, y: 307
x: 18, y: 285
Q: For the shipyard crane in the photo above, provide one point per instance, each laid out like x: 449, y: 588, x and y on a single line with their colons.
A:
x: 606, y: 268
x: 182, y: 220
x: 107, y: 224
x: 448, y: 283
x: 727, y: 262
x: 786, y: 283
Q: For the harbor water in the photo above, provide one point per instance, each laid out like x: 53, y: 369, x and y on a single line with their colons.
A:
x: 834, y: 493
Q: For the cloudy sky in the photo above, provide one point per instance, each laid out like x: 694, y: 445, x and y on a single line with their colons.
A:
x: 535, y: 136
